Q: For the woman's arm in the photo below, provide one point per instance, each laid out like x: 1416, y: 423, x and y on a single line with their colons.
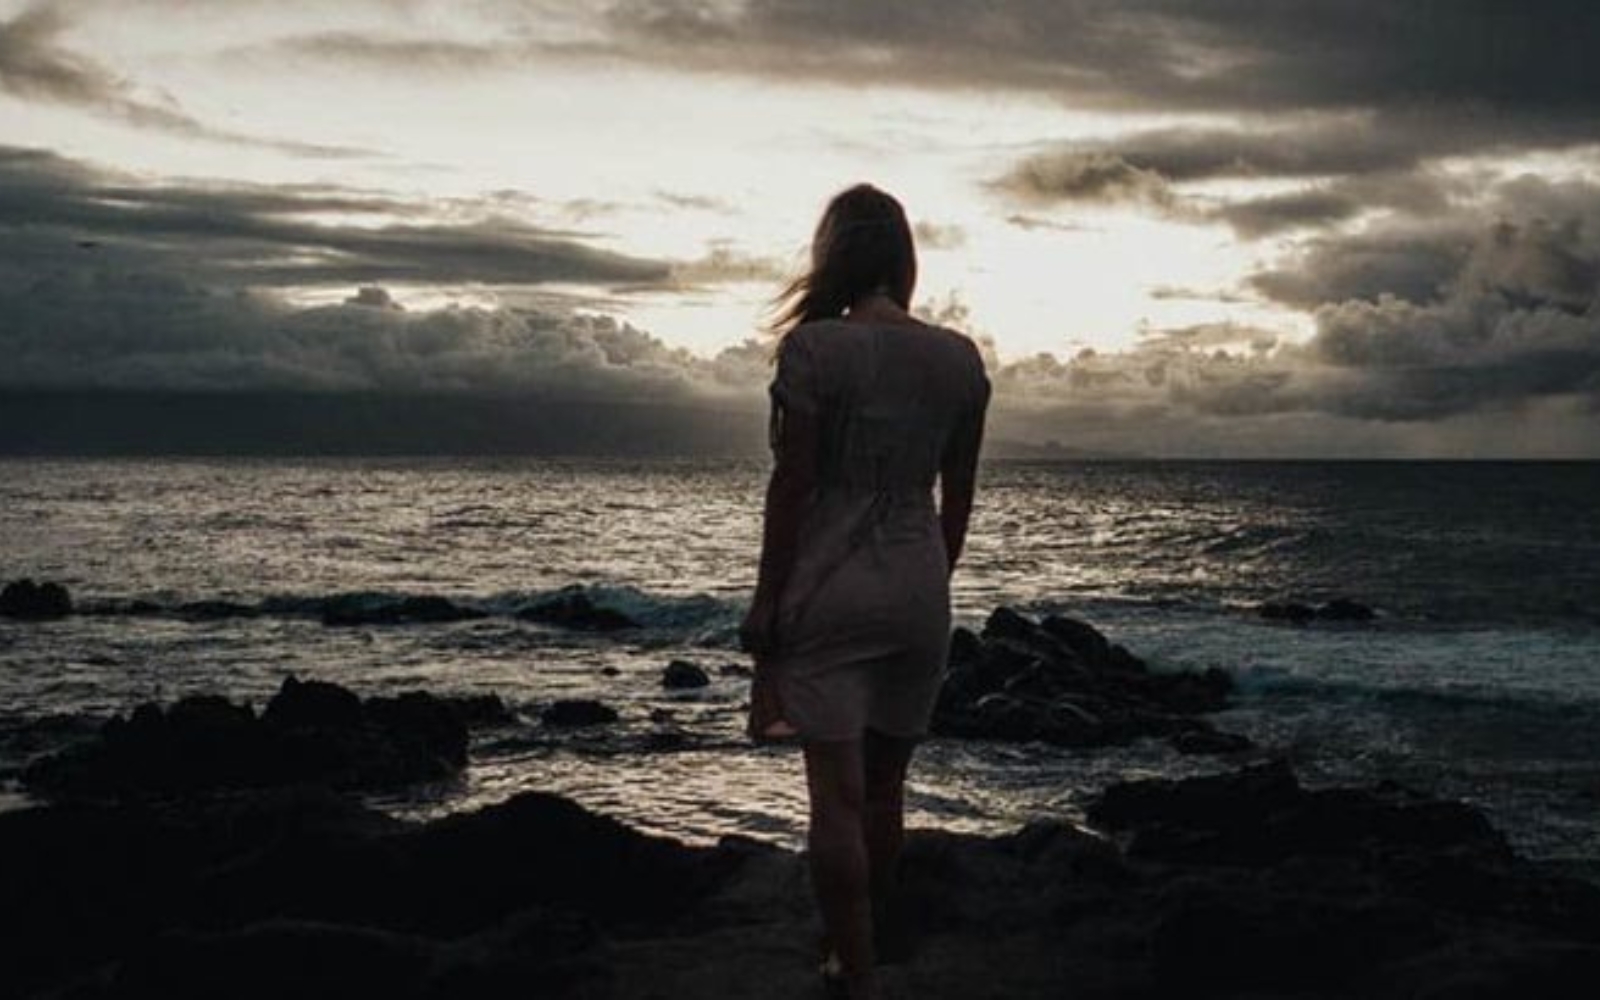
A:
x: 796, y: 442
x: 794, y: 479
x: 958, y: 475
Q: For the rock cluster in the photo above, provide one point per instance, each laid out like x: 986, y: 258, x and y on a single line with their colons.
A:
x: 1061, y: 681
x: 34, y: 601
x: 311, y: 731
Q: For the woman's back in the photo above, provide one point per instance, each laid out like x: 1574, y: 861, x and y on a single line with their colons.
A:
x: 889, y: 398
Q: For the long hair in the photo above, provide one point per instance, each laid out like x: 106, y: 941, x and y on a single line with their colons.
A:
x: 862, y: 245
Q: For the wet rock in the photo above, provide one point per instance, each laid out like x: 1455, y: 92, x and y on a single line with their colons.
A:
x: 1261, y: 815
x: 313, y: 705
x: 734, y: 670
x: 576, y: 610
x: 296, y: 894
x: 1209, y: 741
x: 215, y: 610
x: 311, y: 731
x: 1297, y: 613
x: 1061, y: 681
x: 577, y: 712
x: 31, y: 601
x: 480, y: 710
x: 424, y: 724
x: 1291, y: 611
x: 424, y: 609
x: 1343, y: 610
x: 681, y: 674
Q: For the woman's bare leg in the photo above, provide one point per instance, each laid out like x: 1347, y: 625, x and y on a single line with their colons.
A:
x: 885, y: 760
x: 836, y: 779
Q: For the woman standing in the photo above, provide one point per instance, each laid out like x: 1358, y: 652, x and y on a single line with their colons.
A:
x: 850, y: 624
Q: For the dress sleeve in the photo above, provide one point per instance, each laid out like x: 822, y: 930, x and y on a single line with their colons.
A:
x: 794, y: 386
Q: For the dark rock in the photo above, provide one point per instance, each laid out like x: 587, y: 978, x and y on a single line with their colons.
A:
x: 1209, y: 741
x: 425, y: 724
x: 297, y: 892
x: 1343, y: 610
x: 681, y: 674
x: 426, y: 609
x: 311, y: 731
x: 215, y: 610
x: 734, y: 670
x: 1082, y: 638
x: 1299, y: 614
x: 313, y: 705
x: 31, y: 601
x: 1007, y: 623
x: 1213, y: 936
x: 576, y: 610
x: 1063, y: 682
x: 965, y: 646
x: 577, y: 712
x: 279, y: 958
x: 1261, y: 815
x: 480, y: 710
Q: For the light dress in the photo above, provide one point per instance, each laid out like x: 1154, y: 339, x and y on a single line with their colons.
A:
x: 862, y: 628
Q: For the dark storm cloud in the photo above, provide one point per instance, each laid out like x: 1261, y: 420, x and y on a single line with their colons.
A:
x: 1233, y: 54
x: 103, y: 328
x: 109, y: 285
x: 1493, y: 56
x: 34, y: 66
x: 250, y: 235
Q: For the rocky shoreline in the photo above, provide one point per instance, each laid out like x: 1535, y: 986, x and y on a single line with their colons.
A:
x: 1243, y: 884
x: 202, y: 849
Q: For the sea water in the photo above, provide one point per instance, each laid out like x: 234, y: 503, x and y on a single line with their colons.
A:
x: 1480, y: 678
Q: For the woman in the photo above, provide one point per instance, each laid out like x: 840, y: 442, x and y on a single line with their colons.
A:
x: 850, y: 623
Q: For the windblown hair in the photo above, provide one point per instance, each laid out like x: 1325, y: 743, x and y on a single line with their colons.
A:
x: 862, y: 245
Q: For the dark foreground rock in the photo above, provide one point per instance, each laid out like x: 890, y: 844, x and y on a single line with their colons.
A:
x: 1246, y: 885
x: 311, y: 731
x: 1061, y: 681
x: 682, y: 675
x: 31, y: 601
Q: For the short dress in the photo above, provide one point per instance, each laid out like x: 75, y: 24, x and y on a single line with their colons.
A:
x: 862, y: 630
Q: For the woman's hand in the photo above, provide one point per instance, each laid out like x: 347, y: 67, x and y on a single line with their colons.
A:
x: 757, y: 633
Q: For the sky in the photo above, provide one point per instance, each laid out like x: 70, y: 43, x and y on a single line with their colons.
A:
x: 1192, y: 228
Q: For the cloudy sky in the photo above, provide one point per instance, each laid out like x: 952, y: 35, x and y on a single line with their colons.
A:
x: 1182, y: 227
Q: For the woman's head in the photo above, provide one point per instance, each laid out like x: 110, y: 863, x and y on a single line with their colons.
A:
x: 862, y: 245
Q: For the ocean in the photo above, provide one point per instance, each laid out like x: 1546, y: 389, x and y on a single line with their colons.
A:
x: 1480, y: 678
